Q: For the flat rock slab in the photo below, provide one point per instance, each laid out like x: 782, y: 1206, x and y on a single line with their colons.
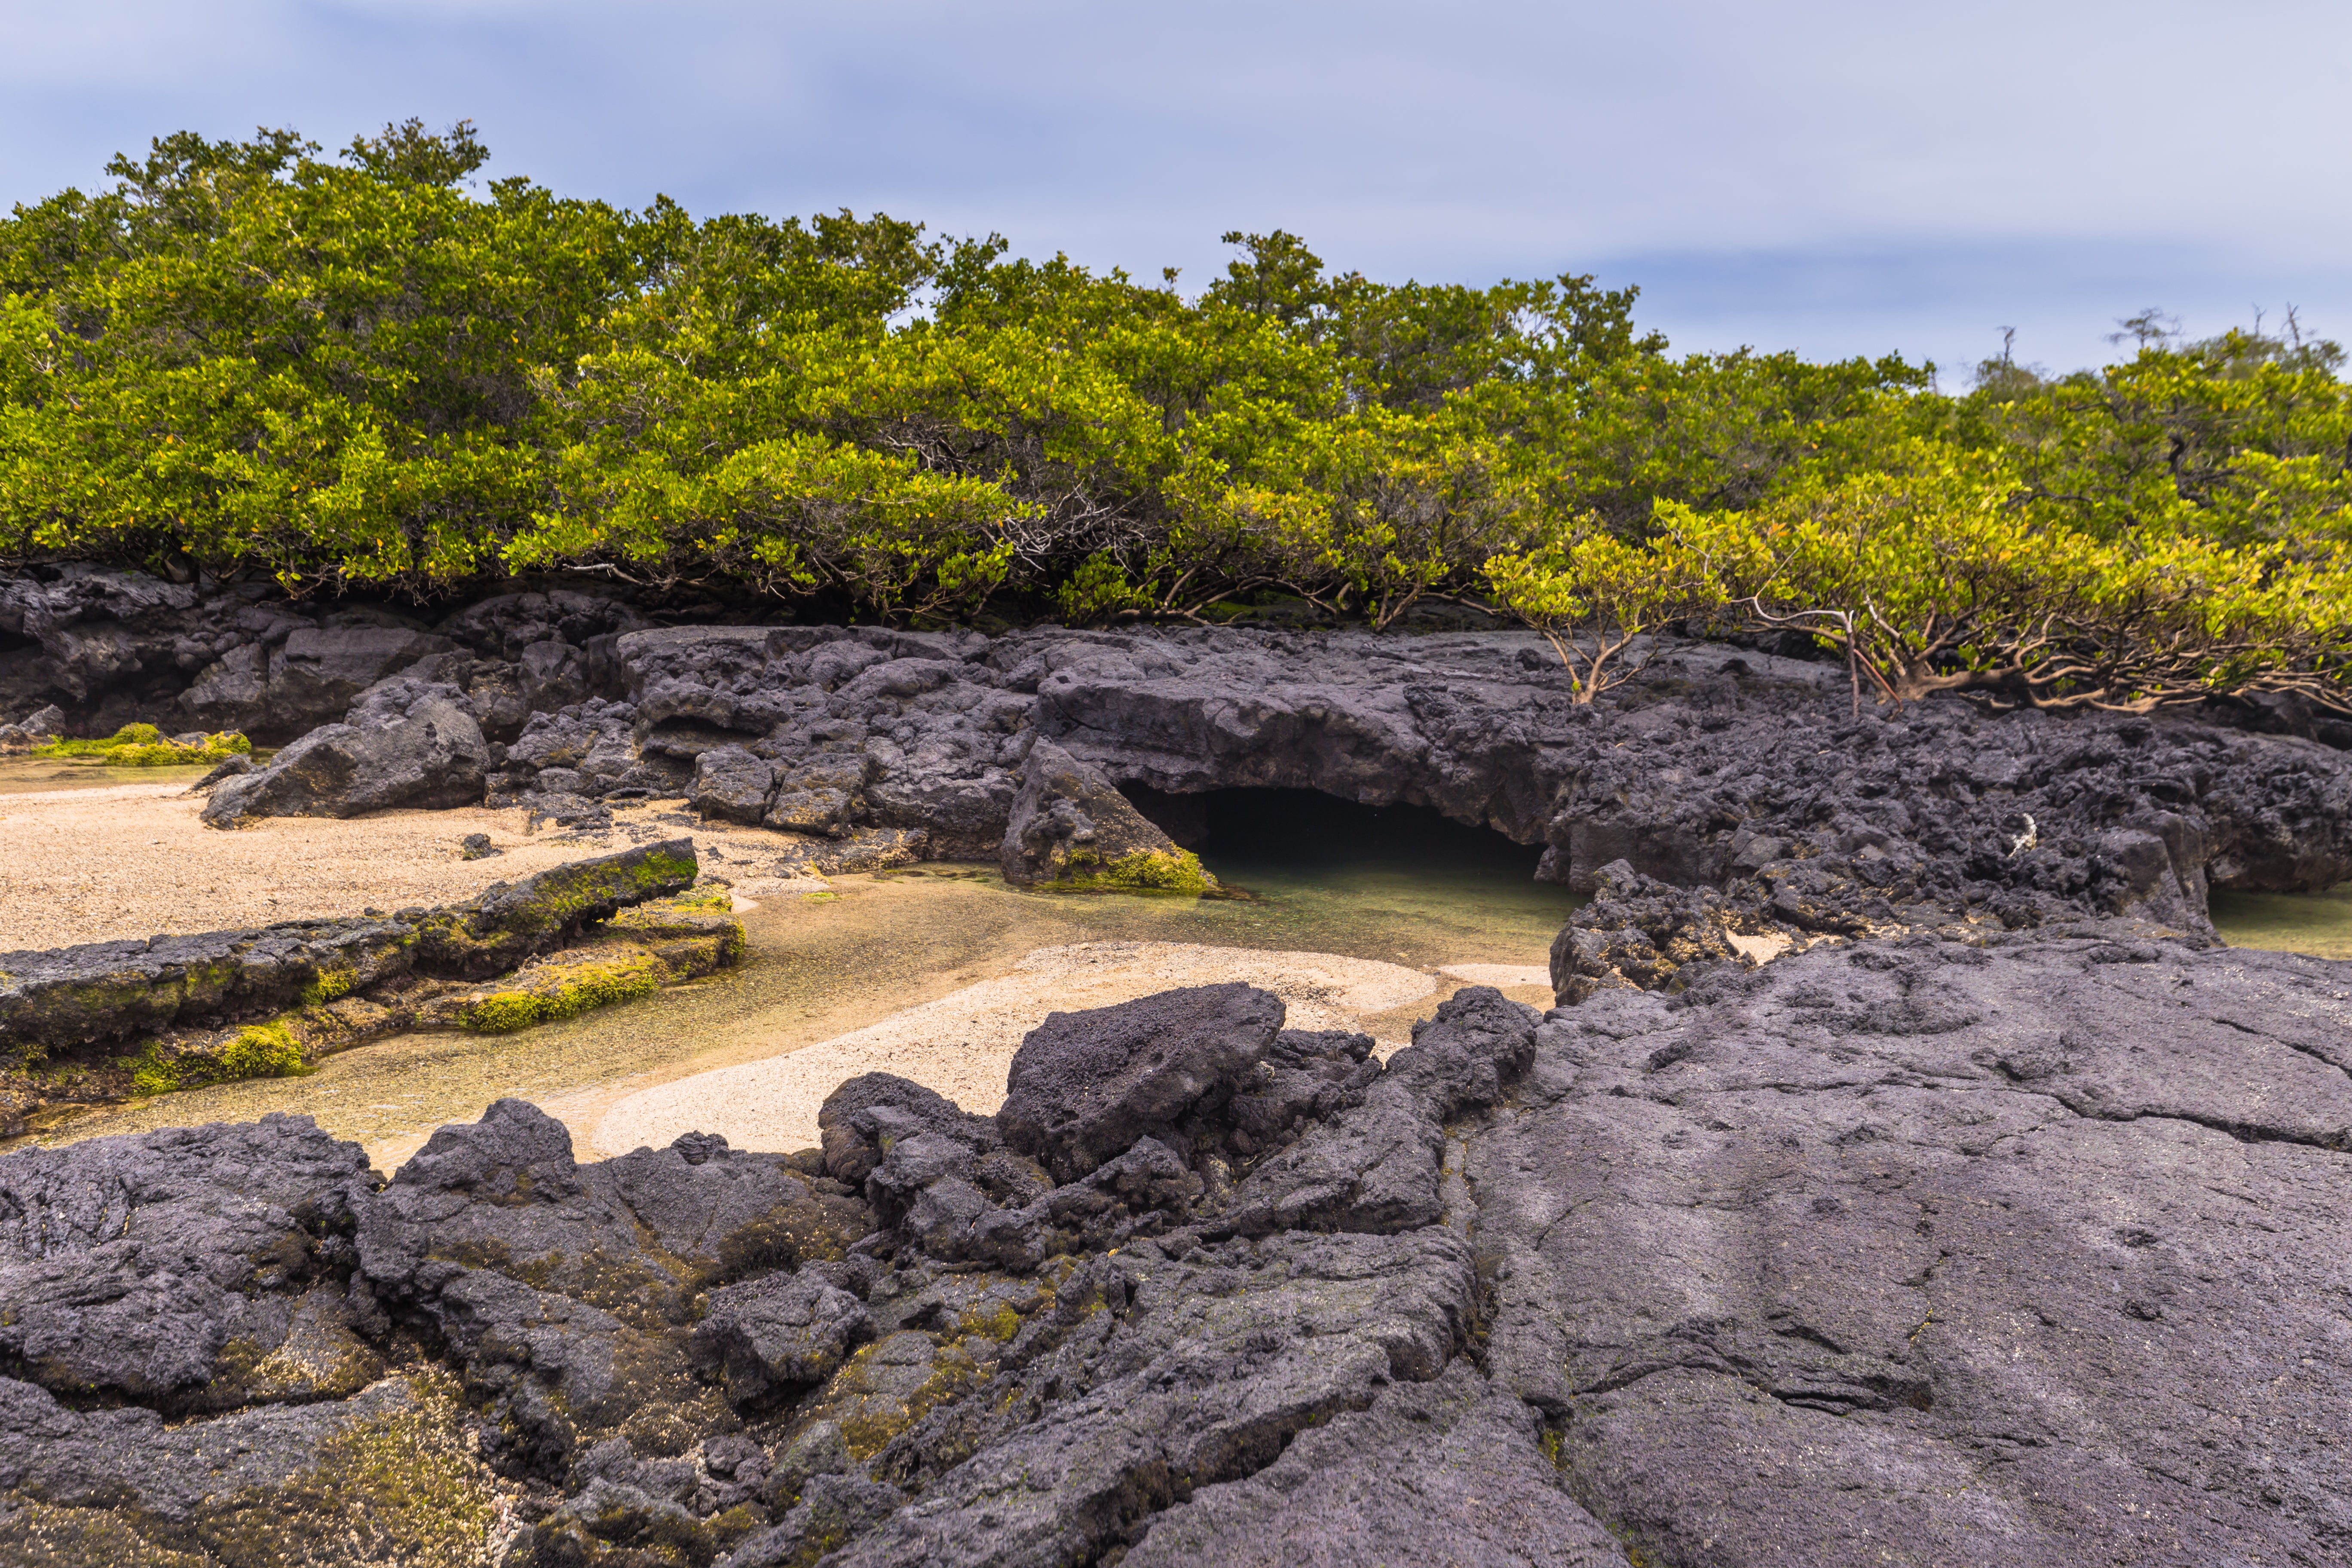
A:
x: 1928, y: 1254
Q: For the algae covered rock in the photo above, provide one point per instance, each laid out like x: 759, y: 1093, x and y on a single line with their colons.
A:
x: 269, y: 1003
x: 1071, y: 827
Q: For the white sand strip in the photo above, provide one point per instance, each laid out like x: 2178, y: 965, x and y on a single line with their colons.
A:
x: 1502, y: 975
x: 963, y: 1045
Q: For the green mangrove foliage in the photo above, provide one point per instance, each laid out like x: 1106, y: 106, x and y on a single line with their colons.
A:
x: 244, y: 358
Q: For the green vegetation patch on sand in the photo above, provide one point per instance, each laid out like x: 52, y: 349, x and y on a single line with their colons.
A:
x: 145, y: 746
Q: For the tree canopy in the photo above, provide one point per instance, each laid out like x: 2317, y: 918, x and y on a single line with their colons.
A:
x: 375, y: 370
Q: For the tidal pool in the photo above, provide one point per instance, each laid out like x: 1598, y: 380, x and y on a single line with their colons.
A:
x: 37, y: 775
x: 1399, y: 885
x: 2316, y: 924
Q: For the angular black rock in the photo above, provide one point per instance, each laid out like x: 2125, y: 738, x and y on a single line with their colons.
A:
x: 1085, y: 1086
x: 404, y: 743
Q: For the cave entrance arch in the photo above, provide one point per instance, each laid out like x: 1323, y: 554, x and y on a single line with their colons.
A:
x: 1302, y: 846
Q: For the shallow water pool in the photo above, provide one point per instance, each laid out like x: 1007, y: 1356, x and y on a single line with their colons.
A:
x: 1399, y: 885
x: 38, y: 775
x: 2316, y: 924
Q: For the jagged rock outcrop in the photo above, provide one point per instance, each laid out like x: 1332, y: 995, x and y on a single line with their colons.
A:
x: 1908, y: 1247
x: 1717, y: 765
x: 282, y: 690
x: 41, y: 727
x: 199, y: 1270
x: 1878, y: 1253
x: 116, y: 646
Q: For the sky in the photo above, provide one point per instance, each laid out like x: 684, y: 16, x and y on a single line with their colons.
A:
x: 1832, y: 177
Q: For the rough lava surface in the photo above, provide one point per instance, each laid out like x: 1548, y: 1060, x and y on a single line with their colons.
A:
x: 2000, y: 1220
x: 2029, y: 1251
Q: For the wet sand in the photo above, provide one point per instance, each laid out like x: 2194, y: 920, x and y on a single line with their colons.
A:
x: 821, y: 966
x: 962, y: 1043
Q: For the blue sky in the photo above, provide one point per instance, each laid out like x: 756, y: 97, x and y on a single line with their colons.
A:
x: 1834, y: 177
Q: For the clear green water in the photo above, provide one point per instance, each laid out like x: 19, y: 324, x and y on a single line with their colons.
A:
x: 2316, y: 924
x: 1399, y: 886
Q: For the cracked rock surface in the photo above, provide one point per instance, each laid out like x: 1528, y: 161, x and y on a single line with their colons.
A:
x: 2029, y: 1251
x: 2002, y: 1219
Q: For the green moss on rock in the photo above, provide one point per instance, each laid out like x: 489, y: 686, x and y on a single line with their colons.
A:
x: 257, y: 1050
x: 550, y: 991
x: 144, y: 746
x: 1144, y: 871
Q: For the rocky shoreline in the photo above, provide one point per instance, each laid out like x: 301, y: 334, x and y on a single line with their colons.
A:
x: 102, y: 1021
x: 1999, y: 1219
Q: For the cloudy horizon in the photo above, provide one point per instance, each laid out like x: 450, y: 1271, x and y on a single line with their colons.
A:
x: 1830, y: 177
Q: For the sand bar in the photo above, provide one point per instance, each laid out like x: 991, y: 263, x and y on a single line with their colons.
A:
x: 962, y: 1045
x: 133, y: 860
x: 97, y: 865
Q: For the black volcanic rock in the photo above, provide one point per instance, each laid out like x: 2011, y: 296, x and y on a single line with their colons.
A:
x: 776, y: 1332
x: 186, y: 1269
x: 1444, y: 1472
x: 1912, y: 1246
x: 405, y: 743
x: 1889, y: 1246
x: 1069, y: 822
x: 731, y: 784
x: 1084, y: 1087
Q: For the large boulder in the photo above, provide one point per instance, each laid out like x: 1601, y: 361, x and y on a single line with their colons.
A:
x: 1070, y: 824
x: 1084, y: 1087
x: 405, y: 743
x: 185, y: 1269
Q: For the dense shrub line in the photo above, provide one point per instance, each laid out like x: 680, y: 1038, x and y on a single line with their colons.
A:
x: 370, y: 371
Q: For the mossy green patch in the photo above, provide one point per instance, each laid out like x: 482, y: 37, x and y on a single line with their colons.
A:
x: 402, y: 1488
x: 257, y: 1050
x: 1144, y: 871
x: 994, y: 1320
x: 145, y: 746
x: 561, y: 990
x: 329, y: 985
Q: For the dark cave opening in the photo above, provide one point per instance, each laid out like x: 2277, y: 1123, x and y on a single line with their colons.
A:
x: 1304, y: 830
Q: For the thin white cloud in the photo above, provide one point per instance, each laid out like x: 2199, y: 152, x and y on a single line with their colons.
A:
x: 1904, y: 170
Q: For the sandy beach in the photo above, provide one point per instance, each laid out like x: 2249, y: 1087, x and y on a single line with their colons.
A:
x: 962, y: 1045
x: 935, y: 974
x: 133, y: 860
